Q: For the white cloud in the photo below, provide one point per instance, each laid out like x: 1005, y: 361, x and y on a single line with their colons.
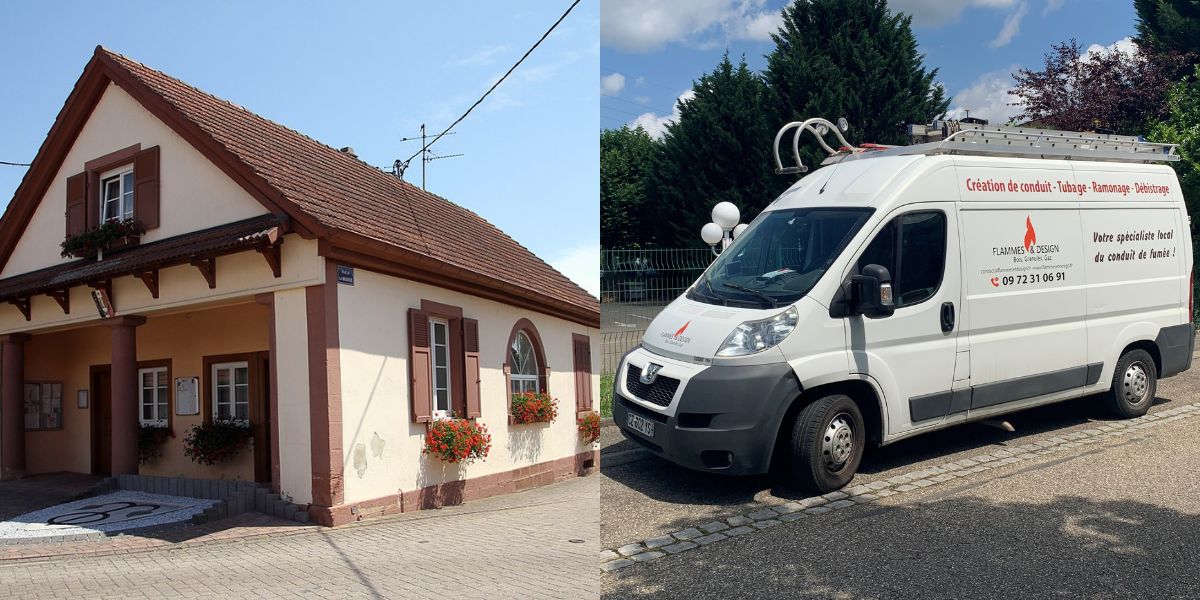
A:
x: 1124, y: 45
x: 646, y: 25
x: 642, y: 99
x: 656, y: 125
x: 1011, y: 27
x: 484, y: 57
x: 1052, y: 5
x: 641, y: 80
x: 612, y: 84
x: 987, y: 98
x: 581, y: 264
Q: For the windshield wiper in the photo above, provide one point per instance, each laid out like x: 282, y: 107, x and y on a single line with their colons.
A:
x: 711, y: 293
x: 771, y: 303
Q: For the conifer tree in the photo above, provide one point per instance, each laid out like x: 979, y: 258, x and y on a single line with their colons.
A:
x: 854, y: 59
x: 718, y: 150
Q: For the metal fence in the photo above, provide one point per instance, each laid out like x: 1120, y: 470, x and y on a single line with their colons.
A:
x: 634, y: 286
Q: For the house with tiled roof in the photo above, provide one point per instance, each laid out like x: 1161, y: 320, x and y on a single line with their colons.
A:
x: 189, y: 290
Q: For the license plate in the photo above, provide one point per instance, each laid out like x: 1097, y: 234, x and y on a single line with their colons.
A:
x: 640, y: 424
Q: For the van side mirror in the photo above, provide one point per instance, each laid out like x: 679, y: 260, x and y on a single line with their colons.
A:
x: 871, y: 292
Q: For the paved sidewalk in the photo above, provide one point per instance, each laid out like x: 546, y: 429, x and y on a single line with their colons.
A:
x: 1114, y: 519
x: 514, y: 546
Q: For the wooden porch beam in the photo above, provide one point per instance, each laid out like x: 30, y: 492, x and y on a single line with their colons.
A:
x: 274, y: 257
x: 63, y: 298
x: 150, y: 278
x: 22, y: 305
x: 208, y: 268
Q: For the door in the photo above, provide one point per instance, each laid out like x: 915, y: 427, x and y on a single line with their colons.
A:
x: 101, y: 406
x: 260, y: 418
x: 1026, y: 302
x: 910, y: 354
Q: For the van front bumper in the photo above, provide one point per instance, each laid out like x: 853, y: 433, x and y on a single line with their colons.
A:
x: 724, y: 419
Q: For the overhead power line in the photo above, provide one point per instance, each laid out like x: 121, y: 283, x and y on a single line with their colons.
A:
x: 495, y: 85
x: 13, y: 164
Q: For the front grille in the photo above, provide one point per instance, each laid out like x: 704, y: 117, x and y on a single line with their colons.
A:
x: 661, y: 392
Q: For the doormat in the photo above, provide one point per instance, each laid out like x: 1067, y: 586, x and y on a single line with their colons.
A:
x: 98, y: 516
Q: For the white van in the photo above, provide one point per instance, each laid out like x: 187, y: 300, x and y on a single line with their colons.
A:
x: 902, y: 290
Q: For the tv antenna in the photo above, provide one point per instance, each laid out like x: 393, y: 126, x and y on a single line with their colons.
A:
x: 427, y: 155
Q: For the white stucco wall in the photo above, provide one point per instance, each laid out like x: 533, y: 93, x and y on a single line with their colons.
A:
x: 295, y: 436
x: 382, y: 446
x: 194, y: 193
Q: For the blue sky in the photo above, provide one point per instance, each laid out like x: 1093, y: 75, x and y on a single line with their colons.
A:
x: 652, y: 50
x: 361, y: 74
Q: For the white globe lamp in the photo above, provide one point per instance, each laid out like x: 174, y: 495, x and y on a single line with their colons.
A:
x: 711, y: 234
x: 726, y: 215
x: 739, y: 229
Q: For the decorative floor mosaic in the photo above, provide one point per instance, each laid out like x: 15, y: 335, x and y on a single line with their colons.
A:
x: 100, y: 515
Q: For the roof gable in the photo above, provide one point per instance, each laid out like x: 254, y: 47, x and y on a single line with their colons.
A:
x: 326, y: 193
x: 197, y: 194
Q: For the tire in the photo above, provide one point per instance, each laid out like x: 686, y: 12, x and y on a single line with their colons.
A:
x: 1134, y: 384
x: 827, y: 443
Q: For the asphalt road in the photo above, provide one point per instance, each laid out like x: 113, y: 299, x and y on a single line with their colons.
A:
x: 1117, y: 519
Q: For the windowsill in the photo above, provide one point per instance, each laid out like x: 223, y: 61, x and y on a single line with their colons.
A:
x: 513, y: 422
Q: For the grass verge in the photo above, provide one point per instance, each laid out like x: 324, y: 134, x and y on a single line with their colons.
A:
x: 606, y: 395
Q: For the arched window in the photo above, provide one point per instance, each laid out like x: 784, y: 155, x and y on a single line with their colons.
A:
x: 524, y: 364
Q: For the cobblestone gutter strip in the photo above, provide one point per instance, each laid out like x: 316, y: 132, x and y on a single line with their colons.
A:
x: 773, y: 515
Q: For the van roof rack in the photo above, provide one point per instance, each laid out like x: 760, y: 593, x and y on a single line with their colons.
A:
x: 980, y: 139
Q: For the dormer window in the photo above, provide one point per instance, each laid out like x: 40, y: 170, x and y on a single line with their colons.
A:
x: 116, y: 196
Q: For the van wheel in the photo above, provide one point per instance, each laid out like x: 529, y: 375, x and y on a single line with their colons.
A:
x: 827, y: 443
x: 1134, y: 384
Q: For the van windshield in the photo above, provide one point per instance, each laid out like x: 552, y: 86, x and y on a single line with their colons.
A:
x: 780, y: 257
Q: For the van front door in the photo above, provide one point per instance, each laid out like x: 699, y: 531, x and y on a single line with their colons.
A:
x: 910, y: 354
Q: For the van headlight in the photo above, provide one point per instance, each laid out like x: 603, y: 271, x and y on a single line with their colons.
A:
x: 756, y: 336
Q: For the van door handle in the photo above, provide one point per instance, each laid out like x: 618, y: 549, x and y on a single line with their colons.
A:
x: 947, y: 316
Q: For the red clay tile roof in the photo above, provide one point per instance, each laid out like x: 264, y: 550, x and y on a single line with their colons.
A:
x: 342, y: 193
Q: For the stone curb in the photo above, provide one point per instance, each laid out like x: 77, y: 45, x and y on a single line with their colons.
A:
x: 771, y: 515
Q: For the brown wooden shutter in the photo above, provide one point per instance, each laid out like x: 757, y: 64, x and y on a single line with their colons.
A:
x: 91, y: 205
x: 76, y: 204
x: 145, y: 187
x: 419, y: 364
x: 583, y: 372
x: 471, y: 366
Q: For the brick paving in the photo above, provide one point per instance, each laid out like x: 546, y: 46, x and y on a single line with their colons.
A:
x: 514, y: 546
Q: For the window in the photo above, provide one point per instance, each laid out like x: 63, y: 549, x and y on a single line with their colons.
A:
x: 919, y: 239
x: 439, y: 334
x: 153, y: 384
x: 780, y: 257
x: 43, y: 406
x: 231, y: 391
x: 116, y: 197
x: 524, y: 366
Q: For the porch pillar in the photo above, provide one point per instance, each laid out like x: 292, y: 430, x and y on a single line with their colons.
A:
x: 12, y: 406
x: 124, y: 394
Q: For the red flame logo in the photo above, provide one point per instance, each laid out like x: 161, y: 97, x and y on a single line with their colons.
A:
x: 682, y: 329
x: 1030, y: 234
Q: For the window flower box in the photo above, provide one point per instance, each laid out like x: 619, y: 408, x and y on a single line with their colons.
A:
x: 150, y: 441
x: 531, y: 407
x: 589, y: 428
x: 457, y: 441
x: 216, y: 441
x: 109, y: 235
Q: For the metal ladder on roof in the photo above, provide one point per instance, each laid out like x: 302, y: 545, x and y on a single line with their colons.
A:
x: 954, y: 137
